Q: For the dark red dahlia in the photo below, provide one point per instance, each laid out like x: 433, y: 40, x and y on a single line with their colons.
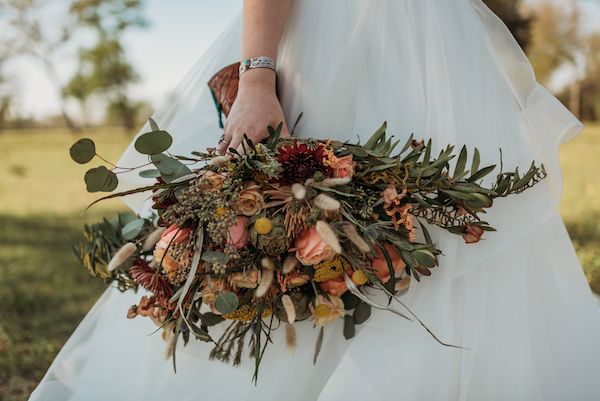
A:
x: 147, y: 277
x: 300, y: 162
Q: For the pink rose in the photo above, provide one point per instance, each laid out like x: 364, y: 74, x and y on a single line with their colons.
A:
x: 381, y: 267
x: 238, y: 233
x: 311, y: 249
x: 336, y: 287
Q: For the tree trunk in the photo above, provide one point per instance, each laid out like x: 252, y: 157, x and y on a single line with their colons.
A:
x: 575, y: 98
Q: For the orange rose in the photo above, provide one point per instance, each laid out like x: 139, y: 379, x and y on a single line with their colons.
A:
x: 311, y: 249
x: 336, y: 287
x: 380, y: 264
x: 238, y: 233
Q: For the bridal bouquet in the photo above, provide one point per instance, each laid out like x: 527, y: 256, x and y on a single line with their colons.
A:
x: 289, y: 230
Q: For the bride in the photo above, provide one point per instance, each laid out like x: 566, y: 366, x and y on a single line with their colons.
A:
x: 518, y: 304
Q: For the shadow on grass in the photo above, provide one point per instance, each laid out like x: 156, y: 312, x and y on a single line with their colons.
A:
x: 585, y: 234
x: 44, y: 293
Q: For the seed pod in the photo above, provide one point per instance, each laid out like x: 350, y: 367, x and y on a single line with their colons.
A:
x: 288, y: 306
x: 334, y: 182
x: 299, y: 191
x: 152, y: 239
x: 326, y: 232
x: 355, y: 237
x: 266, y: 278
x: 289, y: 264
x: 121, y: 256
x: 267, y: 263
x: 290, y: 337
x: 327, y: 203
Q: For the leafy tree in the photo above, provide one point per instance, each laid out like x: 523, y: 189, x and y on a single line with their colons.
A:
x: 103, y: 68
x: 511, y: 12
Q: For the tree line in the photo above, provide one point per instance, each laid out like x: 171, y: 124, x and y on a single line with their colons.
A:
x: 549, y: 32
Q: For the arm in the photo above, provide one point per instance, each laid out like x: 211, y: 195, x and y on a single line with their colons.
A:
x: 256, y: 105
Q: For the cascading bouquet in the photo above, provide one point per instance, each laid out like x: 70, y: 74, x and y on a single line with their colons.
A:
x: 290, y: 230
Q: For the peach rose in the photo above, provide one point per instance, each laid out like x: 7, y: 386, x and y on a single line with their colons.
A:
x: 343, y: 167
x: 472, y: 234
x: 214, y: 180
x: 311, y: 249
x: 244, y: 280
x: 381, y: 267
x: 250, y: 202
x: 163, y: 251
x: 238, y: 233
x: 336, y: 287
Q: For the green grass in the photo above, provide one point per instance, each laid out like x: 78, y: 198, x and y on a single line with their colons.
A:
x: 43, y: 291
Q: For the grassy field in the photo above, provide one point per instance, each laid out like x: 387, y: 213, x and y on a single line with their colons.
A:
x: 43, y: 291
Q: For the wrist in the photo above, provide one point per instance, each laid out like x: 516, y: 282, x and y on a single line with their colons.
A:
x: 258, y: 78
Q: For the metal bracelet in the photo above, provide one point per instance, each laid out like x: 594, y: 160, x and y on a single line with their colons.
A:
x: 258, y: 62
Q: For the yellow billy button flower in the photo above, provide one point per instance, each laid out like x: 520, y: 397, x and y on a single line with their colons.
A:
x: 322, y: 311
x: 263, y: 225
x: 222, y: 211
x: 360, y: 277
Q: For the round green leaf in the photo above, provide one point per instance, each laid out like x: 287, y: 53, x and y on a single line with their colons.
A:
x: 132, y: 229
x: 83, y: 151
x: 153, y: 143
x: 169, y: 167
x: 153, y: 173
x: 226, y: 302
x: 361, y: 313
x: 425, y: 257
x: 100, y: 179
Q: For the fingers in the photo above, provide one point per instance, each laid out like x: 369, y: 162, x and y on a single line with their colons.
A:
x: 224, y: 142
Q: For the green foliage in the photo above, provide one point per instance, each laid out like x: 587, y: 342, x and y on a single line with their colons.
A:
x: 227, y: 302
x: 100, y: 179
x: 83, y: 151
x: 153, y: 143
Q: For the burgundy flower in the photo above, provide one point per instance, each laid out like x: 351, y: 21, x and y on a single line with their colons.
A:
x: 300, y: 162
x: 147, y: 277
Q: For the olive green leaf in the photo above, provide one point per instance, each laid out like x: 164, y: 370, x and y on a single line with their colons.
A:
x: 361, y: 313
x: 132, y: 229
x: 349, y: 328
x: 153, y: 143
x: 100, y: 179
x: 152, y: 173
x: 169, y: 167
x: 83, y: 151
x: 226, y: 302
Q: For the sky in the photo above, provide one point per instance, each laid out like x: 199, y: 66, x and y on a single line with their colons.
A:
x: 179, y: 32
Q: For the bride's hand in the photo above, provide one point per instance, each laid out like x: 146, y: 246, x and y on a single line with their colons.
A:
x: 254, y: 109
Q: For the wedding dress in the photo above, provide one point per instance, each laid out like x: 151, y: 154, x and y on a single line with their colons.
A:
x: 518, y: 302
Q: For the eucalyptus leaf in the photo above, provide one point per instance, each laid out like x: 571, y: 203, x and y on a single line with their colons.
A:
x: 425, y: 258
x: 153, y: 125
x: 83, y: 151
x: 361, y: 313
x: 100, y: 179
x: 215, y: 257
x: 350, y: 300
x: 226, y: 302
x: 153, y: 143
x: 132, y: 229
x: 349, y: 328
x: 169, y: 167
x: 209, y: 319
x: 153, y: 173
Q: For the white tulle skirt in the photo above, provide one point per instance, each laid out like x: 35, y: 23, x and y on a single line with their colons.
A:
x: 518, y: 302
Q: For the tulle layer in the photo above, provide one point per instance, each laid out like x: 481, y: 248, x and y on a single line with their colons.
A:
x: 518, y: 302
